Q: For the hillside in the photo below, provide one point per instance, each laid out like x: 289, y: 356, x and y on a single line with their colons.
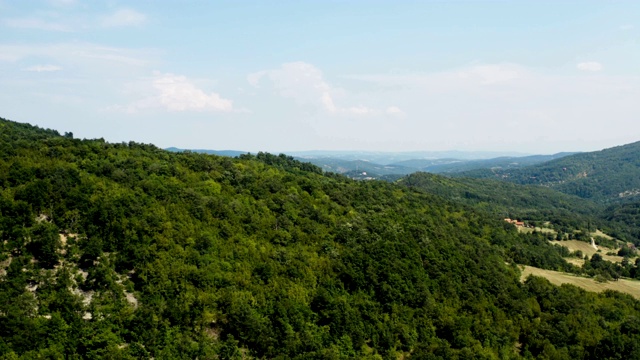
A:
x: 441, y: 166
x: 357, y: 165
x: 536, y: 204
x: 230, y: 153
x: 625, y: 219
x: 608, y: 175
x: 359, y: 169
x: 129, y: 251
x: 507, y: 199
x: 386, y: 158
x: 559, y: 278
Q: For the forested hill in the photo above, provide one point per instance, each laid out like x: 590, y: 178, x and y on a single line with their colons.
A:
x: 508, y: 200
x: 607, y: 175
x: 537, y: 204
x: 128, y: 251
x: 448, y: 166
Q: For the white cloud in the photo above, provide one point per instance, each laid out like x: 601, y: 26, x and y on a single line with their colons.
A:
x: 589, y: 66
x: 123, y: 18
x: 254, y: 78
x: 89, y: 71
x: 394, y: 111
x: 43, y: 68
x: 626, y: 27
x: 298, y: 80
x: 35, y: 23
x: 305, y: 84
x: 544, y: 105
x: 177, y: 93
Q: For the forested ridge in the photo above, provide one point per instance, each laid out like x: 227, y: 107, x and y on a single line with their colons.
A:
x: 608, y: 181
x: 128, y: 251
x: 536, y: 204
x: 563, y: 216
x: 507, y: 199
x: 609, y: 175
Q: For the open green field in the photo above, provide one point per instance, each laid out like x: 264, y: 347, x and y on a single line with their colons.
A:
x: 631, y: 287
x: 599, y: 233
x: 588, y: 249
x: 538, y: 229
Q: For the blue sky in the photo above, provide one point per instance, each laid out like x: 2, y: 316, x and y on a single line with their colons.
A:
x: 526, y: 76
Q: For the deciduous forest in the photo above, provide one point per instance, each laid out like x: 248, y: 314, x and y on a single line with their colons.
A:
x: 128, y: 251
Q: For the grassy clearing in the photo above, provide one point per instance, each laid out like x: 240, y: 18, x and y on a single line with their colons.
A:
x: 631, y: 287
x: 575, y: 261
x: 546, y: 230
x: 575, y: 245
x: 599, y: 233
x: 538, y: 229
x: 587, y: 249
x: 525, y: 230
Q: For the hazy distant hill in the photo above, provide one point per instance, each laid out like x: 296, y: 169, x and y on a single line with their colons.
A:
x: 377, y: 157
x: 458, y: 165
x: 386, y: 158
x: 607, y: 175
x: 229, y: 153
x: 446, y: 165
x: 363, y: 164
x: 358, y: 167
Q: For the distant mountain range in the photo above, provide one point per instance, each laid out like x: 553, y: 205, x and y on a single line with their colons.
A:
x: 609, y: 175
x: 230, y: 153
x: 367, y: 165
x: 458, y: 165
x: 388, y: 158
x: 380, y: 157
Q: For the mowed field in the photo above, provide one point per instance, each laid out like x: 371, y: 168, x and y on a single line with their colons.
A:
x: 601, y: 234
x: 543, y: 230
x: 631, y: 287
x: 587, y: 249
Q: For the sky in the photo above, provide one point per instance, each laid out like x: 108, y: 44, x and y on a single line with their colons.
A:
x: 523, y: 76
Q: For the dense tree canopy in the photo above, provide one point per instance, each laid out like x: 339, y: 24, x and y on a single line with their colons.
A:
x: 128, y: 251
x: 606, y: 176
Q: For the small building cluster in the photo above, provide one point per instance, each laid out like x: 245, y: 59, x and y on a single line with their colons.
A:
x: 514, y: 222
